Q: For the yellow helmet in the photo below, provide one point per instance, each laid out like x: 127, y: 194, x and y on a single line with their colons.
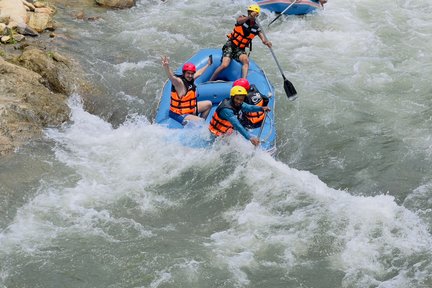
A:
x: 238, y: 90
x: 254, y: 8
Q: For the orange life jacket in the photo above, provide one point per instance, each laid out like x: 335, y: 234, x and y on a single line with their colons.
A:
x: 219, y: 126
x: 186, y: 104
x: 256, y: 117
x: 243, y: 34
x: 254, y: 97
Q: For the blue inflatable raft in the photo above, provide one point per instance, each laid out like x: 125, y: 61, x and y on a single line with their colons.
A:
x: 216, y: 91
x: 300, y: 7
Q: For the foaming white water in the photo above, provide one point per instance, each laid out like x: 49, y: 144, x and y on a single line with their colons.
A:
x: 110, y: 164
x: 305, y: 222
x: 361, y: 68
x: 125, y: 67
x: 292, y: 220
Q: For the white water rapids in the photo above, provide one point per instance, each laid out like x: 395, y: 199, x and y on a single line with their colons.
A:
x: 112, y: 200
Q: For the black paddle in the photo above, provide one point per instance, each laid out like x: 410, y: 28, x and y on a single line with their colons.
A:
x: 286, y: 9
x: 288, y: 86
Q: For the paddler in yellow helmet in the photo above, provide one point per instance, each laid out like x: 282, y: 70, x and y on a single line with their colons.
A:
x: 226, y: 117
x: 239, y: 39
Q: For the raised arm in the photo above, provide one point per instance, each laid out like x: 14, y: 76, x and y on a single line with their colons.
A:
x: 199, y: 72
x: 176, y: 81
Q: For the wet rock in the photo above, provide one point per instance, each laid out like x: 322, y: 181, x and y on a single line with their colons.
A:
x: 26, y: 106
x: 50, y: 65
x: 93, y: 18
x: 27, y: 31
x: 80, y: 15
x: 4, y: 19
x: 14, y: 25
x: 29, y: 5
x: 117, y: 3
x: 33, y: 91
x: 5, y: 39
x: 46, y: 10
x: 39, y: 4
x: 3, y: 29
x: 34, y: 81
x: 18, y: 37
x: 14, y: 9
x: 39, y: 21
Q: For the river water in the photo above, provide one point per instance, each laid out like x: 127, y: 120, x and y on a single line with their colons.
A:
x: 112, y: 200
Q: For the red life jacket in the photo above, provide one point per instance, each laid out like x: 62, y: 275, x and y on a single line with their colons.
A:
x: 186, y: 104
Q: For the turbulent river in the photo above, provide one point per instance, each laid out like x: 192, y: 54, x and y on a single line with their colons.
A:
x: 113, y: 200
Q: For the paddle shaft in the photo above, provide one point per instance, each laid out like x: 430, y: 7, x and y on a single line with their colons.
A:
x: 286, y: 9
x: 272, y: 52
x: 288, y: 86
x: 277, y: 62
x: 262, y: 125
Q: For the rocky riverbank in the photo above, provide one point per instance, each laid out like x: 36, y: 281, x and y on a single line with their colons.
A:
x: 35, y: 81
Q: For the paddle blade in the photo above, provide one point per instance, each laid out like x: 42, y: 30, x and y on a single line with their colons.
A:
x: 290, y: 89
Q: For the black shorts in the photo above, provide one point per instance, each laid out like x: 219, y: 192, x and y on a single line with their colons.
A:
x: 232, y: 51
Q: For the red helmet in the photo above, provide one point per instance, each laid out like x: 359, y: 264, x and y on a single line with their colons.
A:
x: 243, y: 82
x: 189, y: 67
